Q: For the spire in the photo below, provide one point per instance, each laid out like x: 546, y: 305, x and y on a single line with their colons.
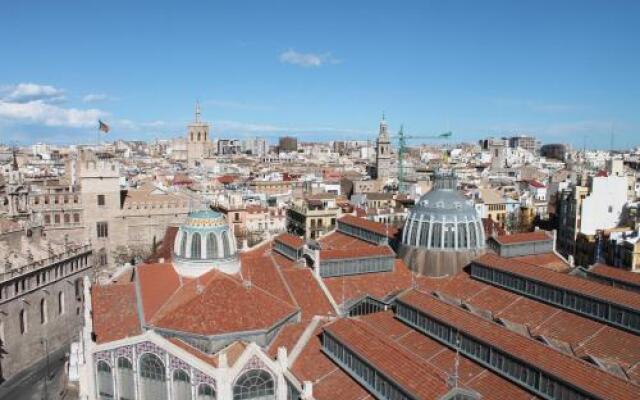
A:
x: 14, y: 164
x: 383, y: 133
x: 197, y: 111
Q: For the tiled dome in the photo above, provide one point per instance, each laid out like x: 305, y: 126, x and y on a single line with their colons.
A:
x: 205, y: 242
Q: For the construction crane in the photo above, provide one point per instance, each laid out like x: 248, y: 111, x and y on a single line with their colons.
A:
x: 402, y: 141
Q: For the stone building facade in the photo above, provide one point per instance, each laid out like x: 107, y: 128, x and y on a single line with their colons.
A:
x: 41, y: 294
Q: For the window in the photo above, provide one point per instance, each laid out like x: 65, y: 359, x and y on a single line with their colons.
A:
x: 102, y: 229
x: 43, y: 311
x: 75, y: 199
x: 47, y: 220
x: 23, y: 321
x: 196, y: 246
x: 67, y: 218
x: 206, y: 392
x: 126, y: 388
x: 225, y: 244
x: 76, y: 218
x: 152, y: 378
x: 56, y: 219
x: 254, y: 384
x: 101, y: 200
x: 181, y: 385
x: 212, y: 246
x: 183, y: 245
x: 60, y: 303
x: 105, y: 381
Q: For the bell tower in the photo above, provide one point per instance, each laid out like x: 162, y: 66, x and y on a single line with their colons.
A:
x: 198, y: 142
x: 383, y: 151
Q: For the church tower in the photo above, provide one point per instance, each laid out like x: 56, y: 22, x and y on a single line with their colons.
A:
x: 198, y: 142
x: 383, y: 151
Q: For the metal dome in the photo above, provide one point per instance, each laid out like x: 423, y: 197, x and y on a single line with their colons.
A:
x: 444, y: 219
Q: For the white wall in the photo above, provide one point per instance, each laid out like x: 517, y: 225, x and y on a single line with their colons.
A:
x: 602, y: 208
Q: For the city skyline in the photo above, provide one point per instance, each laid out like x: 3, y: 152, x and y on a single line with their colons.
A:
x: 563, y: 73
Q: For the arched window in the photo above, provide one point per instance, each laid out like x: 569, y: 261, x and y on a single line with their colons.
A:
x: 436, y: 235
x: 181, y: 385
x: 206, y: 392
x: 183, y: 245
x: 105, y: 381
x: 462, y: 235
x: 60, y: 303
x: 126, y: 388
x: 254, y: 384
x: 195, y: 246
x: 472, y: 235
x: 152, y: 378
x: 449, y: 236
x: 43, y: 311
x: 225, y: 244
x: 212, y: 246
x: 198, y: 136
x: 424, y: 234
x: 23, y: 321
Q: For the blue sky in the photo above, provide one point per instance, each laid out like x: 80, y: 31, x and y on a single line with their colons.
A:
x: 563, y: 71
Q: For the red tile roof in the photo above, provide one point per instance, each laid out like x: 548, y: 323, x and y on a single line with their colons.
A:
x: 401, y: 366
x: 290, y: 240
x: 378, y: 285
x: 617, y: 274
x: 307, y: 293
x: 545, y: 260
x: 215, y: 303
x: 372, y: 226
x: 570, y: 369
x: 523, y: 237
x: 584, y: 335
x: 362, y: 252
x: 568, y: 282
x: 114, y: 312
x: 209, y: 359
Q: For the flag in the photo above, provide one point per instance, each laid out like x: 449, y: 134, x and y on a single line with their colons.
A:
x: 446, y: 135
x: 103, y: 127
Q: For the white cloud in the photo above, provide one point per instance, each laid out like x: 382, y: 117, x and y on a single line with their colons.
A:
x: 95, y: 98
x: 312, y: 60
x: 40, y: 112
x: 129, y: 125
x: 27, y: 92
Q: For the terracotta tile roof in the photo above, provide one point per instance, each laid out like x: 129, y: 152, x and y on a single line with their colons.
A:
x: 372, y: 226
x: 233, y: 352
x: 572, y: 370
x: 362, y: 252
x: 545, y: 260
x: 308, y: 295
x: 339, y: 240
x: 287, y: 337
x: 401, y: 366
x: 441, y: 357
x: 263, y: 274
x: 584, y: 335
x: 523, y: 237
x: 569, y: 282
x: 218, y: 303
x: 209, y: 359
x: 337, y: 385
x: 618, y: 274
x: 378, y: 285
x: 114, y: 312
x: 158, y: 282
x: 165, y: 250
x: 290, y: 240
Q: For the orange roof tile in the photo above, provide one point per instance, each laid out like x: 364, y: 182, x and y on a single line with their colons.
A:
x: 523, y: 237
x: 614, y: 273
x: 572, y: 370
x: 114, y: 312
x: 369, y: 225
x: 568, y: 282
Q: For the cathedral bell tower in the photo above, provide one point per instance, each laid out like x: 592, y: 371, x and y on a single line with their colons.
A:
x: 198, y: 142
x: 383, y: 151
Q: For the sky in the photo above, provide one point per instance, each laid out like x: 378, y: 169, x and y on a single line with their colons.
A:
x: 563, y: 71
